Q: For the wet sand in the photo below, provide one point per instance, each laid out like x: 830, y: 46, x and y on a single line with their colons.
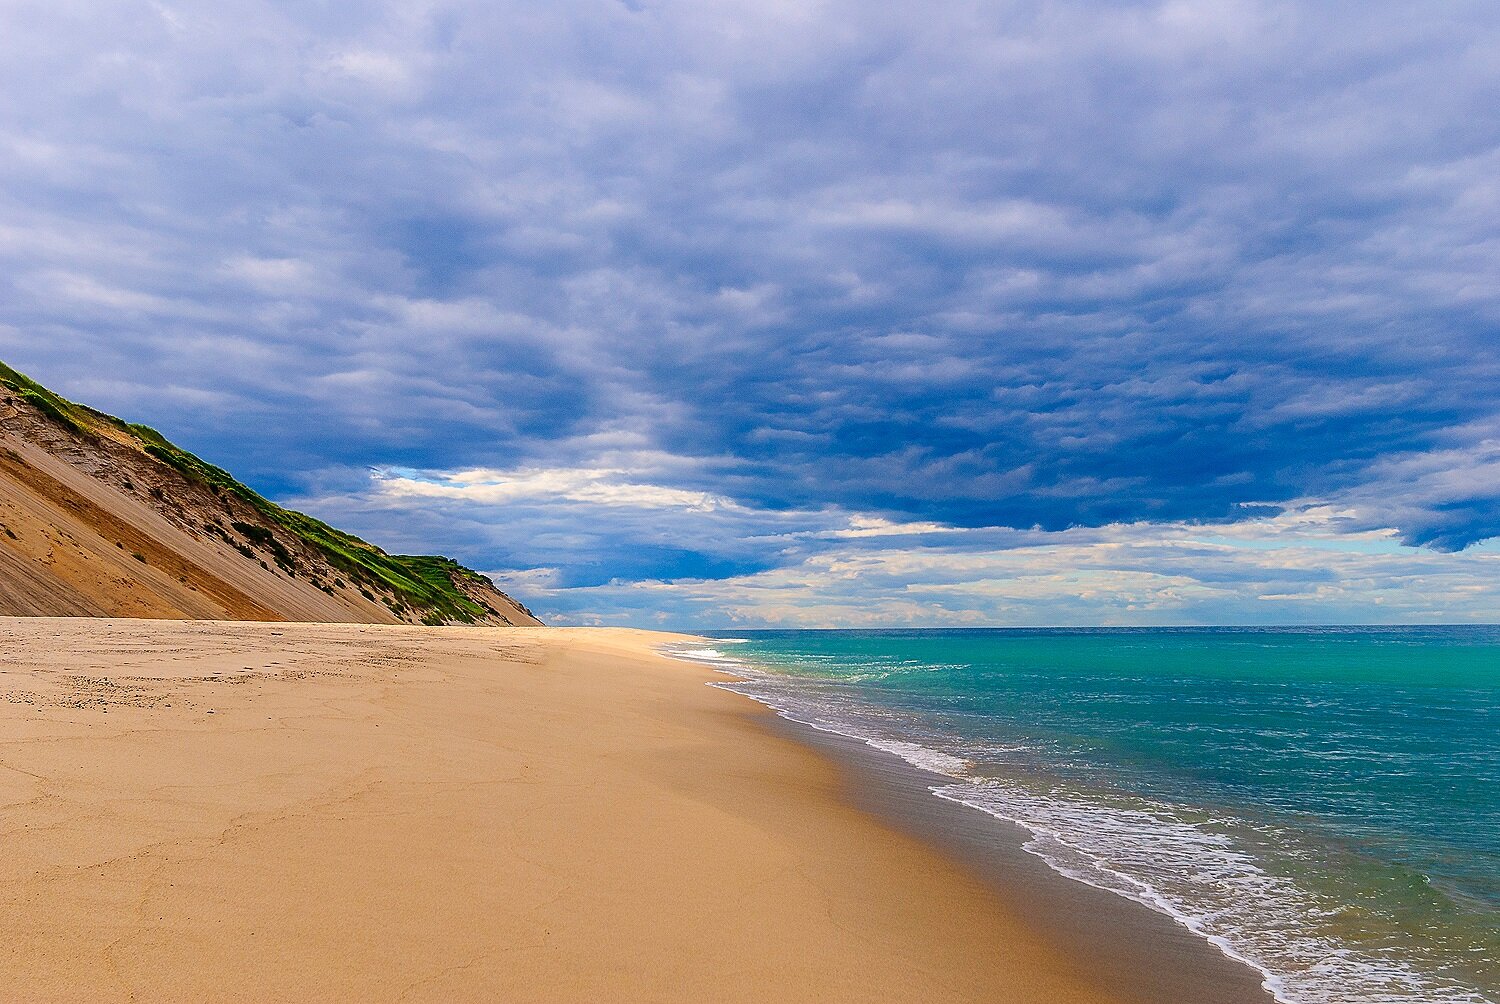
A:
x: 1140, y: 956
x: 293, y: 812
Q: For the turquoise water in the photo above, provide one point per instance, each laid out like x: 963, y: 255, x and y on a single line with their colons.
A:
x: 1323, y: 803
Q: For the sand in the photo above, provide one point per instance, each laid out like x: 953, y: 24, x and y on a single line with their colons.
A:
x: 95, y: 528
x: 293, y: 812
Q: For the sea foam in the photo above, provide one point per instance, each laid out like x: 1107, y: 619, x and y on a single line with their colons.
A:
x: 1195, y: 867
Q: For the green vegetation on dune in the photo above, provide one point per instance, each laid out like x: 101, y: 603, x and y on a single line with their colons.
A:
x: 58, y: 409
x: 423, y: 585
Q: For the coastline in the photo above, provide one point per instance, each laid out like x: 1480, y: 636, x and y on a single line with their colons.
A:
x: 1161, y: 960
x: 1141, y: 956
x: 1118, y: 759
x: 272, y: 811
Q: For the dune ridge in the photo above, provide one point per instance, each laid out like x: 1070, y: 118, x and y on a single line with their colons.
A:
x: 102, y: 518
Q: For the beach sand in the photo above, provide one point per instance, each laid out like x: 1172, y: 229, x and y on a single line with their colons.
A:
x: 294, y: 812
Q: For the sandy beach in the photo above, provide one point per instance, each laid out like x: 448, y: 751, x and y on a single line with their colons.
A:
x: 279, y: 812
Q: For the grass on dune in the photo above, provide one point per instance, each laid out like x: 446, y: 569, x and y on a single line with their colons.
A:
x: 422, y: 583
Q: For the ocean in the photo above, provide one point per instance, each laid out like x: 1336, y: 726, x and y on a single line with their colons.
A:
x: 1320, y: 803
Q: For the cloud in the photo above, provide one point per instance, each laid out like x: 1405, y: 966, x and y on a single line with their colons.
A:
x: 600, y: 486
x: 1134, y: 574
x: 598, y: 545
x: 1007, y: 266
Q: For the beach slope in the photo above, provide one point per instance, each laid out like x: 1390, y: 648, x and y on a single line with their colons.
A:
x: 280, y: 812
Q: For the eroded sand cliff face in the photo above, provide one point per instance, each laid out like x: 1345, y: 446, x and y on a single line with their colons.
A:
x: 93, y: 523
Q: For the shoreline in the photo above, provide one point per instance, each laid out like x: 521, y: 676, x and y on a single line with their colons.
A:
x: 1161, y: 960
x: 1129, y: 777
x: 275, y: 811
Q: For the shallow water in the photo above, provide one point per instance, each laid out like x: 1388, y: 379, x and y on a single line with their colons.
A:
x: 1323, y: 803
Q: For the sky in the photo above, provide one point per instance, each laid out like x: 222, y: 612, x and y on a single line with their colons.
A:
x: 797, y: 314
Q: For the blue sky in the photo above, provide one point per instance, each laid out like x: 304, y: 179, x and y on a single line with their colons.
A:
x: 703, y: 314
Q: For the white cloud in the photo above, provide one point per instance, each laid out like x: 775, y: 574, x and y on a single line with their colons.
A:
x: 381, y: 70
x: 597, y: 486
x: 1313, y: 562
x: 750, y: 286
x: 1122, y: 575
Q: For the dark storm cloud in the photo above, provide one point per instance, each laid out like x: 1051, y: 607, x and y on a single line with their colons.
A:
x: 1011, y: 264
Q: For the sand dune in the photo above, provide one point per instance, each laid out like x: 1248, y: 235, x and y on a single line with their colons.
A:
x: 94, y: 523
